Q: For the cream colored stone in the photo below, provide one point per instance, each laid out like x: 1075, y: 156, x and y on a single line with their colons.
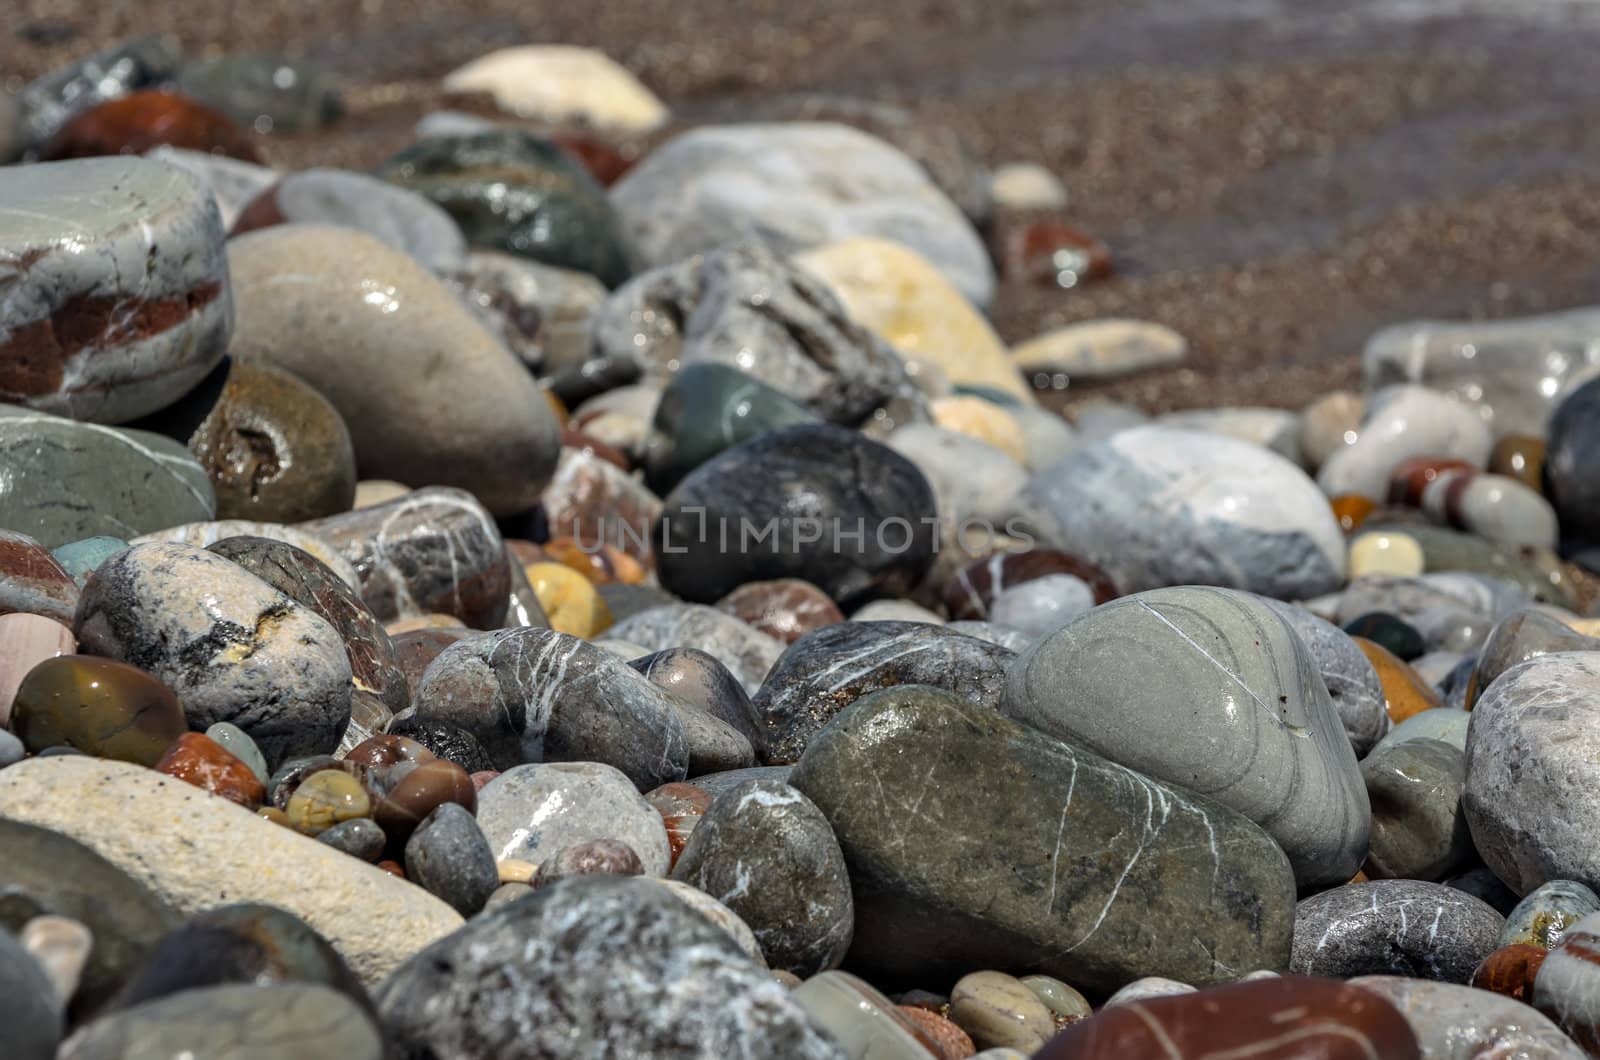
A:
x: 199, y: 852
x: 375, y: 491
x: 983, y: 420
x: 1393, y: 554
x: 1027, y: 186
x: 204, y: 535
x: 515, y: 870
x: 562, y: 83
x: 1102, y: 349
x: 898, y: 294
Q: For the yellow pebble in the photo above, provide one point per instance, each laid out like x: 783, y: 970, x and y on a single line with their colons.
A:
x: 1385, y: 553
x: 983, y: 420
x: 326, y: 798
x: 513, y: 870
x: 569, y: 600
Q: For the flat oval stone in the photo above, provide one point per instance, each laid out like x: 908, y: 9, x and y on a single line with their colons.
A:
x: 266, y: 91
x: 1418, y: 829
x: 407, y: 793
x: 435, y: 551
x: 1401, y: 422
x: 1225, y: 701
x: 999, y: 1010
x: 32, y: 582
x: 1571, y: 480
x: 449, y: 856
x: 1460, y: 1023
x: 1523, y: 636
x: 610, y: 857
x: 1159, y: 506
x: 1544, y: 915
x: 199, y: 760
x: 747, y: 652
x: 360, y: 837
x: 407, y: 353
x: 859, y: 1018
x: 1532, y: 772
x: 99, y: 706
x: 806, y: 489
x: 1394, y: 927
x: 1499, y: 509
x: 785, y: 608
x: 533, y: 811
x: 974, y: 842
x: 133, y: 124
x: 1351, y: 680
x: 231, y: 646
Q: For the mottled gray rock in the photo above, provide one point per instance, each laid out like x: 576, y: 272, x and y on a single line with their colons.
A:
x: 140, y: 62
x: 1516, y: 639
x: 716, y: 784
x: 704, y: 683
x: 1393, y: 927
x: 66, y: 481
x: 766, y: 852
x: 1042, y: 605
x: 974, y: 842
x: 205, y: 534
x: 1533, y: 772
x: 360, y: 837
x: 973, y: 480
x: 1454, y: 1022
x: 745, y: 307
x: 1544, y: 915
x: 1418, y: 829
x: 119, y: 303
x: 826, y: 670
x: 531, y: 695
x: 547, y: 312
x: 1401, y: 422
x: 592, y: 967
x: 533, y: 811
x: 1351, y: 681
x: 1453, y: 612
x: 302, y: 1020
x: 1158, y: 506
x: 743, y: 649
x: 714, y: 911
x: 1224, y: 700
x: 29, y: 1004
x: 714, y: 745
x: 231, y: 646
x: 232, y: 182
x: 449, y: 857
x: 793, y: 186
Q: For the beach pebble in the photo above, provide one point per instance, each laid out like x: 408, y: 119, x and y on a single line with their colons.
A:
x: 860, y: 1019
x: 449, y: 856
x: 545, y: 313
x: 32, y: 581
x: 1027, y: 186
x: 708, y: 407
x: 1572, y: 465
x: 784, y: 608
x: 998, y: 1010
x: 1400, y: 422
x: 610, y: 857
x: 977, y: 485
x: 1394, y: 927
x: 1544, y: 915
x: 133, y: 124
x: 1101, y: 349
x: 1499, y: 509
x: 136, y: 63
x: 1380, y: 553
x: 1418, y: 829
x: 233, y: 184
x: 267, y: 92
x: 1350, y: 678
x: 700, y: 681
x: 1516, y: 639
x: 1149, y: 987
x: 1455, y: 1022
x: 561, y: 84
x: 1328, y: 424
x: 532, y: 811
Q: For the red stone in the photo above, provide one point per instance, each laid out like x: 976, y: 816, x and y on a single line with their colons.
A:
x: 605, y: 163
x: 969, y: 594
x: 1510, y: 970
x: 482, y: 777
x: 1054, y: 254
x: 409, y: 791
x: 1410, y: 477
x: 392, y: 868
x: 786, y: 608
x: 1290, y: 1018
x: 950, y: 1041
x: 199, y: 760
x: 136, y: 123
x: 32, y: 582
x: 261, y: 212
x: 681, y: 806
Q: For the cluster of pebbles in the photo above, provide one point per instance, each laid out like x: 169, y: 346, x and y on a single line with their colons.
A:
x: 537, y: 600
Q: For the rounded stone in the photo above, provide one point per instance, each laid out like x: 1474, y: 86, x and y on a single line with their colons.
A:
x: 1510, y: 971
x: 1352, y: 683
x: 1399, y: 423
x: 1394, y: 634
x: 269, y: 92
x: 408, y: 792
x: 1394, y: 927
x: 1418, y: 829
x: 1519, y: 456
x: 1454, y: 1022
x: 1544, y: 915
x: 32, y: 581
x: 971, y: 593
x: 608, y: 857
x: 325, y: 799
x: 25, y: 642
x: 533, y: 811
x: 199, y: 760
x: 1516, y: 639
x: 569, y: 600
x: 449, y: 857
x: 135, y: 123
x: 998, y: 1010
x: 1572, y: 463
x: 101, y: 707
x: 1385, y: 552
x: 563, y: 85
x: 784, y: 608
x: 861, y: 1020
x: 697, y: 679
x: 1405, y: 693
x: 706, y: 408
x: 80, y: 558
x: 747, y: 653
x: 360, y: 837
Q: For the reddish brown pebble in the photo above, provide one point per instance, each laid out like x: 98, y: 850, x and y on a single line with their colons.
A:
x: 1410, y: 478
x: 593, y: 857
x: 574, y: 439
x: 1352, y: 510
x: 100, y: 706
x: 392, y: 868
x: 1054, y: 254
x: 786, y: 608
x: 199, y: 760
x: 681, y: 806
x: 386, y: 750
x: 412, y: 791
x: 32, y: 582
x: 969, y: 594
x: 950, y: 1042
x: 136, y: 123
x: 1510, y: 970
x: 605, y: 163
x: 415, y: 649
x: 482, y: 777
x: 1293, y: 1017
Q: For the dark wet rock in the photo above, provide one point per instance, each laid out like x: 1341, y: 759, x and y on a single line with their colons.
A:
x: 747, y: 652
x: 445, y: 740
x: 1572, y: 463
x: 703, y: 682
x: 1418, y: 829
x: 1394, y: 927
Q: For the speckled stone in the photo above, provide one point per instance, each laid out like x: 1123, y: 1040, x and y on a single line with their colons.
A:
x: 1394, y: 927
x: 450, y: 857
x: 1352, y: 683
x: 1401, y: 422
x: 139, y: 121
x: 445, y: 740
x: 805, y: 488
x: 725, y: 919
x: 1542, y: 917
x: 473, y: 416
x: 532, y: 811
x: 1418, y: 829
x: 859, y: 1018
x: 125, y: 67
x: 1177, y: 715
x: 232, y: 647
x: 1564, y: 989
x: 1284, y: 1018
x: 1158, y: 506
x: 1518, y: 638
x: 824, y: 672
x: 32, y: 581
x: 745, y: 651
x: 287, y: 1019
x: 1046, y: 856
x: 66, y: 480
x: 274, y: 449
x: 597, y: 503
x: 577, y: 950
x: 786, y: 608
x: 435, y: 551
x: 1532, y: 788
x: 1454, y: 1022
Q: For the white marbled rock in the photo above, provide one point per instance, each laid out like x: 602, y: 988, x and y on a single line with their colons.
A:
x: 560, y: 83
x: 532, y: 812
x: 1401, y: 422
x: 1102, y: 349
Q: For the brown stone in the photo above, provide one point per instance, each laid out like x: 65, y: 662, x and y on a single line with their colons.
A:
x: 32, y: 582
x: 415, y: 649
x: 786, y: 608
x: 1351, y: 510
x: 681, y: 806
x: 592, y: 857
x: 141, y: 121
x: 1405, y: 693
x: 100, y: 706
x: 412, y: 790
x: 1053, y: 254
x: 199, y: 760
x: 1510, y: 970
x: 605, y: 162
x: 1519, y: 456
x: 596, y: 502
x: 950, y: 1042
x: 969, y: 594
x: 388, y: 750
x: 1288, y: 1018
x: 1410, y: 478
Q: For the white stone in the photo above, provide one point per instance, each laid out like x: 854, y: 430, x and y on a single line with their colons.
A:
x: 1275, y: 429
x: 560, y: 83
x: 532, y: 812
x: 1402, y: 422
x: 1102, y: 349
x: 1027, y: 186
x: 972, y: 480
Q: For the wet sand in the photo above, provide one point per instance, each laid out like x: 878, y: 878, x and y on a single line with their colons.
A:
x: 1277, y: 178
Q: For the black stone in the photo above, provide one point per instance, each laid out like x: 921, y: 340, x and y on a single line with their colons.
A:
x: 445, y: 740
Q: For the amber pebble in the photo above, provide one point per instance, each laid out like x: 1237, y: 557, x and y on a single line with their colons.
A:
x: 25, y: 642
x: 1409, y: 478
x: 199, y: 760
x: 414, y: 650
x: 681, y: 806
x: 482, y: 777
x: 1510, y: 970
x: 1351, y: 510
x: 275, y: 815
x: 411, y: 791
x: 576, y: 439
x: 101, y: 707
x: 515, y: 870
x: 387, y: 750
x: 592, y: 857
x: 1405, y: 693
x: 1051, y: 253
x: 32, y: 581
x: 950, y: 1042
x: 325, y: 799
x: 570, y: 602
x: 1519, y: 456
x: 969, y: 594
x: 604, y: 565
x: 141, y: 121
x: 1359, y: 877
x: 392, y: 868
x: 785, y: 608
x: 604, y: 162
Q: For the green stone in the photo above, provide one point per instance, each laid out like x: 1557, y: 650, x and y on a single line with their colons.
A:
x: 707, y: 408
x: 269, y: 93
x: 80, y: 558
x: 1388, y: 631
x: 101, y: 707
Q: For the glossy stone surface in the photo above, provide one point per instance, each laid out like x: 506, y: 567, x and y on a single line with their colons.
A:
x: 681, y: 806
x: 446, y: 741
x: 1394, y: 927
x: 859, y: 1018
x: 1279, y: 756
x: 1461, y: 1023
x: 1401, y: 422
x: 514, y: 191
x: 1544, y: 915
x: 974, y: 842
x: 1351, y: 680
x: 199, y: 760
x: 449, y: 856
x: 698, y: 680
x: 608, y: 857
x: 1510, y: 971
x: 412, y: 355
x: 327, y: 798
x: 1564, y: 988
x: 416, y: 649
x: 568, y: 599
x: 533, y: 811
x: 32, y: 582
x: 408, y: 792
x: 1418, y: 829
x: 1523, y: 636
x: 133, y: 124
x: 1519, y: 456
x: 748, y: 653
x: 784, y: 608
x: 1393, y: 634
x: 1572, y: 463
x: 100, y: 706
x: 1405, y: 693
x: 999, y: 1010
x: 706, y: 408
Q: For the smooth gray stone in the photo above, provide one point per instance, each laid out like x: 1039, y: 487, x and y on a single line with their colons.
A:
x: 766, y: 852
x: 137, y: 63
x: 1102, y: 419
x: 1043, y: 605
x: 301, y: 1020
x: 1393, y: 927
x: 702, y: 681
x: 793, y: 186
x: 1009, y: 639
x: 360, y: 838
x: 743, y: 649
x: 826, y: 670
x: 268, y: 93
x: 1461, y: 1023
x: 974, y: 842
x: 29, y: 1004
x: 1156, y: 506
x: 1437, y: 667
x: 237, y: 742
x: 449, y: 857
x: 1544, y: 915
x: 11, y: 749
x: 230, y: 646
x: 1453, y: 612
x: 714, y: 745
x: 398, y: 217
x: 1533, y: 772
x: 122, y: 303
x: 977, y: 484
x: 1447, y: 726
x: 533, y: 812
x: 714, y: 784
x: 1516, y: 639
x: 531, y: 695
x: 1418, y: 829
x: 1351, y: 681
x: 232, y: 182
x: 1485, y: 885
x: 592, y: 960
x: 1209, y: 689
x: 1572, y: 463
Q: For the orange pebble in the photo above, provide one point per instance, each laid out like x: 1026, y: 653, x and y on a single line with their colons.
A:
x: 1405, y: 693
x: 1352, y: 510
x: 1510, y: 970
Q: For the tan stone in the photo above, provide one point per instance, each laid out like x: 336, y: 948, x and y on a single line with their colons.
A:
x: 563, y: 84
x: 983, y: 420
